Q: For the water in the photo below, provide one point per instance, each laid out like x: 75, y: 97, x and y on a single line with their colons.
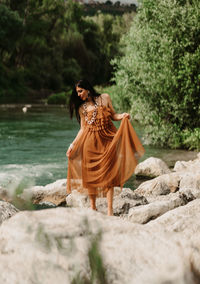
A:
x: 33, y: 145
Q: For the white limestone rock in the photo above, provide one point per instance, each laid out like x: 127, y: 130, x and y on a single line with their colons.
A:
x: 156, y: 208
x: 7, y: 210
x: 152, y: 167
x: 121, y: 202
x: 51, y: 246
x: 189, y: 166
x: 4, y: 195
x: 161, y: 185
x: 76, y: 199
x: 54, y: 192
x: 184, y: 228
x: 190, y: 185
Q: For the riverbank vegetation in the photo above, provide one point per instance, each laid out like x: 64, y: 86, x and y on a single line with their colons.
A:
x: 152, y: 58
x: 47, y: 45
x: 158, y: 77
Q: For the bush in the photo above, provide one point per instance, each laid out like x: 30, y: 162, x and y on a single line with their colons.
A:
x: 191, y: 138
x: 57, y: 99
x: 159, y: 74
x: 115, y: 95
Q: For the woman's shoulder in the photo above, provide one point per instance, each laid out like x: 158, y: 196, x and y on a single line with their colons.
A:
x: 105, y: 95
x: 106, y: 98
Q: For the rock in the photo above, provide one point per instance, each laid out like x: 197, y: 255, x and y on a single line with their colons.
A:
x: 180, y: 219
x: 76, y: 199
x: 190, y: 166
x: 185, y: 231
x: 180, y: 166
x: 160, y: 186
x: 52, y: 245
x: 4, y: 195
x: 121, y: 202
x: 46, y: 204
x: 190, y: 185
x: 6, y: 210
x: 53, y: 192
x: 152, y: 167
x: 126, y: 200
x: 144, y: 214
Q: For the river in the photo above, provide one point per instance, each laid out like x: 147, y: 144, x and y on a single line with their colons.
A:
x: 33, y: 145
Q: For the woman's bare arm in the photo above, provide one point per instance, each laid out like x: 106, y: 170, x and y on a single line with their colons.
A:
x: 115, y: 116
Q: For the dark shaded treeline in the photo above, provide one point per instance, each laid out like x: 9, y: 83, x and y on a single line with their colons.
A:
x: 108, y: 7
x: 46, y: 45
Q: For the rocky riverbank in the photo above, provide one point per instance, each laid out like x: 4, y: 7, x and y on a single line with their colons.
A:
x: 153, y: 238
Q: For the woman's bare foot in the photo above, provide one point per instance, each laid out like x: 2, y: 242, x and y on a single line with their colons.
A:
x: 110, y: 201
x: 94, y: 208
x: 110, y: 212
x: 93, y: 202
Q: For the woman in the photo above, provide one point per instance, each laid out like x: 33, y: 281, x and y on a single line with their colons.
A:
x: 100, y: 156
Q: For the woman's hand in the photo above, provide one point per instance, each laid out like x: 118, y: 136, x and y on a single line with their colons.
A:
x: 120, y: 116
x: 125, y: 114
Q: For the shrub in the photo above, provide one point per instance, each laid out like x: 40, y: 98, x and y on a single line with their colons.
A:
x: 191, y: 138
x: 115, y: 95
x: 159, y: 74
x: 57, y: 99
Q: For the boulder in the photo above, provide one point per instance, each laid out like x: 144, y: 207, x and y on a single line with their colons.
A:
x: 6, y: 211
x: 124, y: 201
x: 121, y: 202
x: 4, y: 195
x: 185, y: 231
x: 161, y: 185
x: 53, y: 192
x: 57, y: 245
x: 76, y: 199
x: 144, y: 214
x: 152, y: 167
x: 190, y: 184
x: 189, y: 166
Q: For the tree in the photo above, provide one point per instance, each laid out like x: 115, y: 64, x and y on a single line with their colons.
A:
x: 47, y: 45
x: 108, y: 2
x: 10, y: 29
x: 160, y: 71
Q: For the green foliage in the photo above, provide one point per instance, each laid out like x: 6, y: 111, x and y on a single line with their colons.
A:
x: 115, y: 94
x: 98, y: 274
x: 191, y: 138
x: 96, y: 264
x: 48, y: 45
x: 11, y: 78
x: 11, y: 85
x: 59, y: 98
x: 14, y: 192
x: 10, y: 29
x: 159, y: 74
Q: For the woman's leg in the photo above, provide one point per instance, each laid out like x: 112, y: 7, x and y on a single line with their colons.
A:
x: 110, y: 201
x: 93, y: 201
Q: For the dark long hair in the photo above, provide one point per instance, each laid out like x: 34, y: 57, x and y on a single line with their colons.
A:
x: 75, y: 101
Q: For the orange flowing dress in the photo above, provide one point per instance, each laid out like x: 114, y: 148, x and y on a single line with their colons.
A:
x: 104, y: 156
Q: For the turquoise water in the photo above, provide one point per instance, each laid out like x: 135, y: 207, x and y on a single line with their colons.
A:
x: 33, y: 145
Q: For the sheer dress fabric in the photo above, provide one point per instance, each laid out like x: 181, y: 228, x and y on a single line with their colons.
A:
x: 104, y: 156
